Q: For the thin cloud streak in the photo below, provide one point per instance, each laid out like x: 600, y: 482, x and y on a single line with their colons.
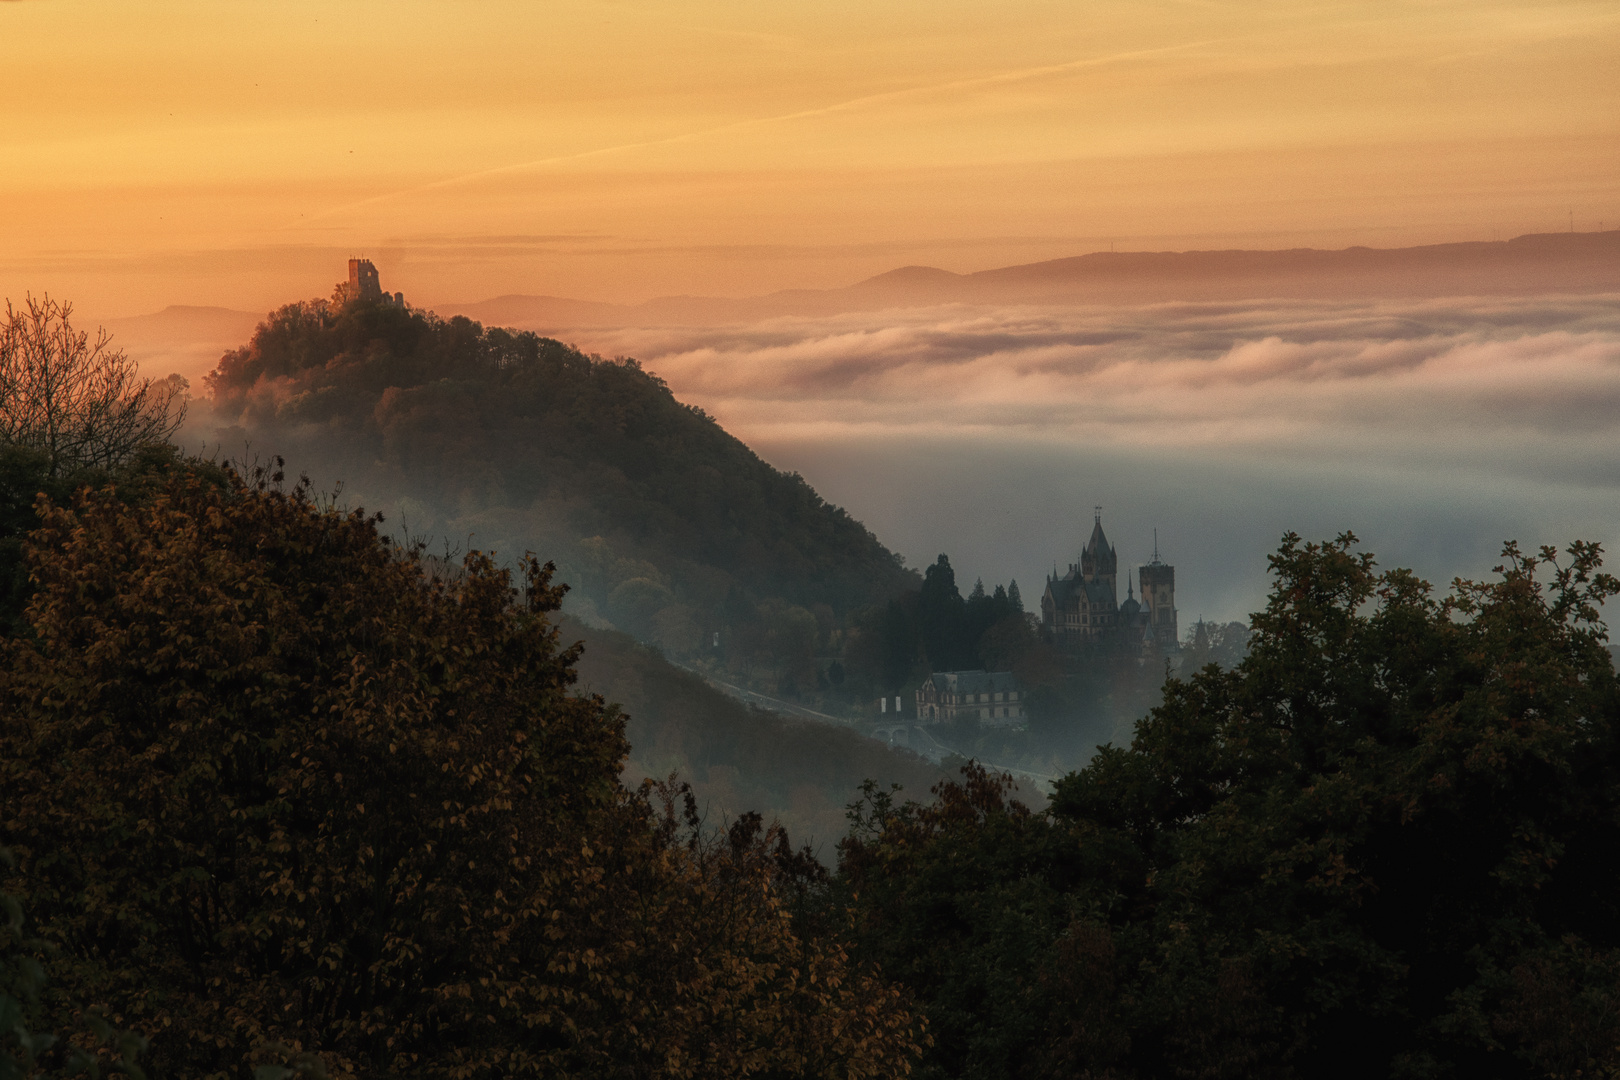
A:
x: 850, y: 105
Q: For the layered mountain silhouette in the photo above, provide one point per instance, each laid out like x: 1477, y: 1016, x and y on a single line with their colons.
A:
x: 1535, y: 263
x: 191, y: 339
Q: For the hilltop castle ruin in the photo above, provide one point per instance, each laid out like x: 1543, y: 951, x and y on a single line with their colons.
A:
x: 364, y: 287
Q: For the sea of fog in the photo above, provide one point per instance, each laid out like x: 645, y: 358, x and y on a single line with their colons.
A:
x: 1433, y: 429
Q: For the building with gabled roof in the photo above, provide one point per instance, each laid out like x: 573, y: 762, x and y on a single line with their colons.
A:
x: 993, y: 698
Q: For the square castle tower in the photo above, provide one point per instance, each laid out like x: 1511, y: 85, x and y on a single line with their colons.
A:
x: 364, y: 287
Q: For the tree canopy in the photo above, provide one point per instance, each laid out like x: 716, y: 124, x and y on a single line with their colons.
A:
x: 671, y: 528
x: 281, y: 796
x: 1381, y: 845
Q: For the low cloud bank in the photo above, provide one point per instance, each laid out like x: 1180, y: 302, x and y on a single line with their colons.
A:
x: 1436, y: 429
x: 1224, y: 378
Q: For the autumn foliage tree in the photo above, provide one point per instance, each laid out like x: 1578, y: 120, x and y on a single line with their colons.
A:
x: 27, y: 1053
x: 280, y: 797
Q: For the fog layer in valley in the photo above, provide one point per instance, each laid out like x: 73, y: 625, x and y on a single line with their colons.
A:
x: 1434, y: 429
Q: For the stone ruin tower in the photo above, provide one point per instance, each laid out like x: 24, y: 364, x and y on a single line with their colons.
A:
x: 364, y: 287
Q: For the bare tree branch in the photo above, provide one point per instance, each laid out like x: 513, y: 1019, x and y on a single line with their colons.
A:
x: 79, y: 401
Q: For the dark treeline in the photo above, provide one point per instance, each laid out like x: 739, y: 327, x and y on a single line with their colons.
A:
x: 280, y: 796
x: 934, y: 628
x: 1382, y: 844
x: 280, y: 799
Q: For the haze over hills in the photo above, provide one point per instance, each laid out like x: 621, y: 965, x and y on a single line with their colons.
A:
x: 738, y: 757
x: 662, y: 525
x: 1436, y: 400
x: 1434, y: 427
x: 181, y: 338
x: 1542, y: 262
x: 189, y: 339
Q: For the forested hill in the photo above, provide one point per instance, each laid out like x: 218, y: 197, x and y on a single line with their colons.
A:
x: 662, y: 522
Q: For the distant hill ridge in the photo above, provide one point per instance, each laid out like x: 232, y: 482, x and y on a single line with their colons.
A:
x: 1537, y: 262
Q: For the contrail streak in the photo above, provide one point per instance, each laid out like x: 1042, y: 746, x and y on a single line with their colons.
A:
x: 1021, y: 75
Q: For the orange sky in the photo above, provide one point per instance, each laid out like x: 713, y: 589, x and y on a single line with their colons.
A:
x: 235, y: 153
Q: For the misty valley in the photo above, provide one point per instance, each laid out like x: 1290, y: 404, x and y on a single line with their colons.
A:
x: 609, y: 749
x: 670, y: 530
x: 696, y: 540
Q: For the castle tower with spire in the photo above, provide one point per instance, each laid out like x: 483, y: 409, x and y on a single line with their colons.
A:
x: 1081, y: 608
x: 1081, y: 612
x: 1098, y: 559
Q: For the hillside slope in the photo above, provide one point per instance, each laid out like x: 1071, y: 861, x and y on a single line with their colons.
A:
x: 738, y: 757
x: 664, y: 524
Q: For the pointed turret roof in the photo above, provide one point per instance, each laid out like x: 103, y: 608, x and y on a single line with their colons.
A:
x: 1098, y: 541
x: 1098, y: 557
x: 1130, y: 608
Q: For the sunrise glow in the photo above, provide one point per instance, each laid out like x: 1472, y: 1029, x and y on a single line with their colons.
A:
x: 182, y: 151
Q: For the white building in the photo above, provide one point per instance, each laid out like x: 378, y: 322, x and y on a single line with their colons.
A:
x: 993, y: 698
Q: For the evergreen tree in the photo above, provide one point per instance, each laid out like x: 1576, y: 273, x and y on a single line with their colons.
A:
x: 941, y: 616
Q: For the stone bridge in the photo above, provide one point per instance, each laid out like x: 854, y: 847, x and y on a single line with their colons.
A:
x: 896, y: 733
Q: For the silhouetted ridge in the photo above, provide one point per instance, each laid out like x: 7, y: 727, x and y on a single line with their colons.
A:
x: 911, y: 275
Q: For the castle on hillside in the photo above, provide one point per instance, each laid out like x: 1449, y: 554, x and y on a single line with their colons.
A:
x: 364, y: 287
x: 1082, y: 613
